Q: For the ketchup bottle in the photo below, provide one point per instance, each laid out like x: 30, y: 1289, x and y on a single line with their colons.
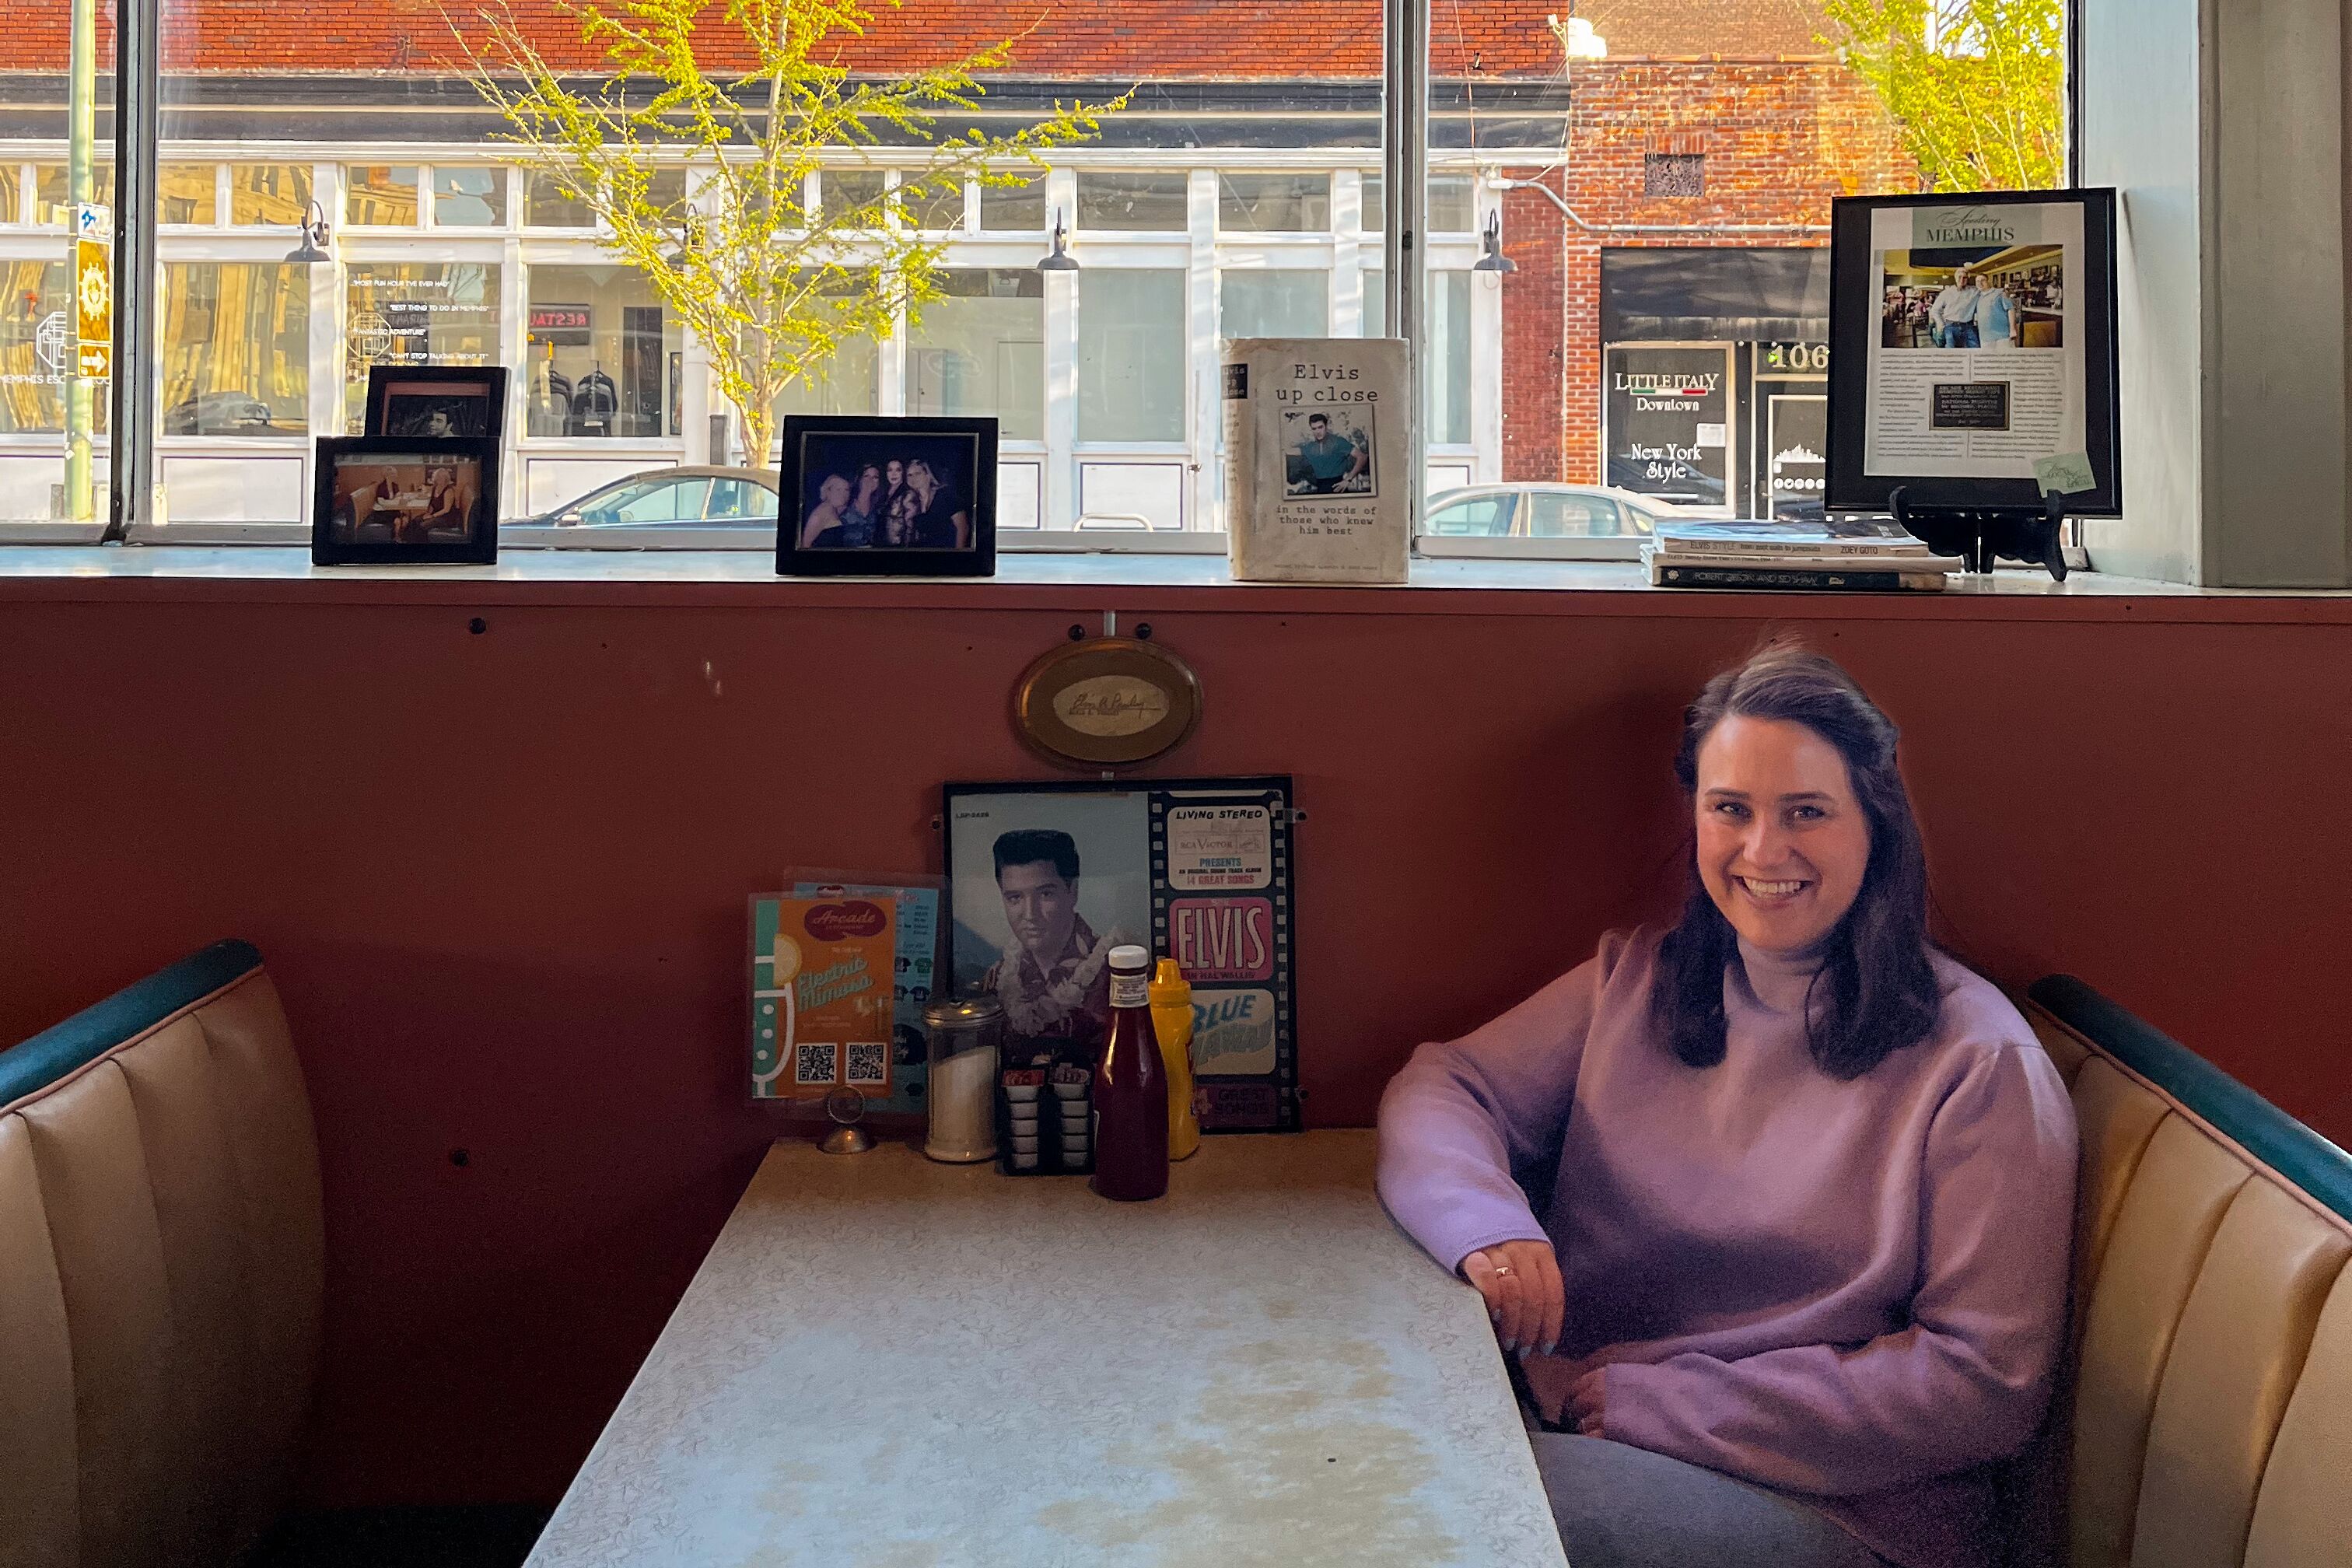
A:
x: 1131, y: 1088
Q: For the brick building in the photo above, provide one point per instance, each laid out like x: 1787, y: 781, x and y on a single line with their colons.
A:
x: 1690, y: 170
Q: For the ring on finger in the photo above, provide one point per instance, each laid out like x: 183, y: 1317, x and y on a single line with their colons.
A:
x: 1502, y: 1268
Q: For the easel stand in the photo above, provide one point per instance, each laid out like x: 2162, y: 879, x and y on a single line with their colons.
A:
x: 1977, y: 535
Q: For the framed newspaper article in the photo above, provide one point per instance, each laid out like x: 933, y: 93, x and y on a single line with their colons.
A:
x: 1044, y: 878
x: 1972, y: 359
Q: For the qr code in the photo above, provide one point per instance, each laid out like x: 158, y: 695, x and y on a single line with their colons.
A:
x: 817, y: 1063
x: 869, y: 1062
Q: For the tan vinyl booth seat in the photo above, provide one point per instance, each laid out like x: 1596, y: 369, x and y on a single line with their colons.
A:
x: 2212, y: 1399
x: 161, y: 1271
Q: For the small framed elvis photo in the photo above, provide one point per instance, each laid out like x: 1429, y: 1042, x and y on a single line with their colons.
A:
x: 436, y: 400
x: 401, y: 501
x: 871, y: 497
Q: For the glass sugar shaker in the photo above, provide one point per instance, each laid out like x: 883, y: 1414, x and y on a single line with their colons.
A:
x: 967, y: 1039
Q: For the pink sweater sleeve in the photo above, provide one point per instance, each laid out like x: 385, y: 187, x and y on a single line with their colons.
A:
x: 1965, y: 1382
x: 1460, y: 1116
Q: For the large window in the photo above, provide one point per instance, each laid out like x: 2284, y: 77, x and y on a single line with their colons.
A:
x: 1131, y: 336
x: 1277, y: 302
x: 1138, y: 201
x: 1273, y: 204
x: 236, y: 348
x: 412, y: 313
x: 981, y: 351
x: 602, y: 360
x: 36, y: 337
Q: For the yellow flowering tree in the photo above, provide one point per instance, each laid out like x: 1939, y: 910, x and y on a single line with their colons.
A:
x: 1975, y: 87
x: 772, y: 285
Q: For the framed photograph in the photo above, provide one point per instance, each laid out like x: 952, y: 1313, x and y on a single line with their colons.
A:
x: 1044, y: 879
x: 396, y: 500
x: 437, y: 400
x: 873, y: 497
x: 1973, y: 360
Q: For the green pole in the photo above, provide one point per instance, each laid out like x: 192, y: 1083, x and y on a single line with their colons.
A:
x: 81, y: 185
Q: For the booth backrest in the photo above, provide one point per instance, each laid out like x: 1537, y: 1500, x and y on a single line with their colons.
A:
x: 160, y: 1267
x: 2213, y: 1388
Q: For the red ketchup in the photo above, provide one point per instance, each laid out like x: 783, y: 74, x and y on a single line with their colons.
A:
x: 1131, y: 1088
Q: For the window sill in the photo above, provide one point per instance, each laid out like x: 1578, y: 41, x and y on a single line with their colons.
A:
x: 746, y: 579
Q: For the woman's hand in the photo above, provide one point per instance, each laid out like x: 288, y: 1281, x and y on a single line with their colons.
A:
x: 1520, y: 1281
x: 1588, y: 1400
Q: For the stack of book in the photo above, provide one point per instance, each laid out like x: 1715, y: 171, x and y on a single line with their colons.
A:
x: 1851, y: 556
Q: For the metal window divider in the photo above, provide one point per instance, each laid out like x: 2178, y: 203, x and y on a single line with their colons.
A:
x: 138, y: 92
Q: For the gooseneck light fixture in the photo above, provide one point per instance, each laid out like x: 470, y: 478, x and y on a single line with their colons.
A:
x: 1059, y: 260
x: 1493, y: 260
x: 313, y: 248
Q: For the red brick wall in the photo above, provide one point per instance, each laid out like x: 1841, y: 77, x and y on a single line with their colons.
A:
x: 1781, y: 139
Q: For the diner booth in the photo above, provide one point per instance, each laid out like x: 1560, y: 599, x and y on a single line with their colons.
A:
x: 667, y: 1052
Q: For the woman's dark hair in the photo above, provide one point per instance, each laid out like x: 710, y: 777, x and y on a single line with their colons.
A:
x: 1875, y: 993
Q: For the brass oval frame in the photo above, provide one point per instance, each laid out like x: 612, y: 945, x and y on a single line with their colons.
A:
x: 1043, y: 730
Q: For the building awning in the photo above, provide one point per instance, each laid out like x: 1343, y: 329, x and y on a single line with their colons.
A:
x: 1715, y: 293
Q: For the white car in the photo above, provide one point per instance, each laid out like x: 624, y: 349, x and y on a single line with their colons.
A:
x: 1532, y: 508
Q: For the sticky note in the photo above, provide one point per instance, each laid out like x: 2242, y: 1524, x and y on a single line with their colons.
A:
x: 2068, y: 473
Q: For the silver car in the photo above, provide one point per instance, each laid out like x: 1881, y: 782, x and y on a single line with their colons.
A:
x: 1532, y: 508
x: 697, y: 496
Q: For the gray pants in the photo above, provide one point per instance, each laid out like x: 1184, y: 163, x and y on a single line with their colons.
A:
x: 1622, y: 1507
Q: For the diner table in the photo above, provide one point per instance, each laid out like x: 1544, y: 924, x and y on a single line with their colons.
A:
x: 889, y: 1363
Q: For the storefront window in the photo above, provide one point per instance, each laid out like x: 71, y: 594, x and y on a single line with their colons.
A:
x: 602, y: 358
x: 36, y: 328
x: 187, y: 193
x: 276, y: 195
x: 1278, y: 302
x: 845, y: 192
x: 1273, y: 204
x: 8, y: 207
x: 1013, y: 210
x: 469, y: 197
x: 544, y: 205
x: 414, y: 312
x: 236, y: 348
x: 1446, y: 362
x: 1118, y: 199
x: 50, y: 202
x: 380, y: 195
x: 849, y: 383
x: 1452, y: 205
x: 981, y: 351
x: 1131, y: 337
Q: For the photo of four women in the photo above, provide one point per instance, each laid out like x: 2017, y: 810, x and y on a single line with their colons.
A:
x: 897, y: 503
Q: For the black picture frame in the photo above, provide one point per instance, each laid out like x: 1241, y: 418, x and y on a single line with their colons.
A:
x: 1855, y: 322
x: 820, y: 447
x: 472, y: 396
x: 1253, y: 1002
x: 340, y: 538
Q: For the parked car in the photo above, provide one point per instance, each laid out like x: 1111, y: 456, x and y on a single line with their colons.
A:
x: 686, y: 497
x: 220, y: 414
x: 1537, y: 510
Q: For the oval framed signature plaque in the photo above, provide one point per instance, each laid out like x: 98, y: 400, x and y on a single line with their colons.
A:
x: 1105, y: 703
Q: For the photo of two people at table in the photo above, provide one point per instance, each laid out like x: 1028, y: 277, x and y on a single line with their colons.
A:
x: 1044, y: 887
x: 407, y: 501
x: 1992, y: 298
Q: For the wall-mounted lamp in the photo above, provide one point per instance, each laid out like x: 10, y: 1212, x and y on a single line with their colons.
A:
x: 313, y: 248
x: 1495, y: 261
x: 1059, y: 260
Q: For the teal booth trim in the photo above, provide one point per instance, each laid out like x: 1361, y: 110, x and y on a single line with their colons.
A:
x: 56, y: 1052
x: 2272, y: 1136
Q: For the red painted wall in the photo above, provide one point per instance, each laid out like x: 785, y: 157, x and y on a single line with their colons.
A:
x: 500, y: 879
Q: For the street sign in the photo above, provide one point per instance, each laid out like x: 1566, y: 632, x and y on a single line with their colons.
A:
x: 93, y: 306
x: 93, y: 221
x: 94, y: 362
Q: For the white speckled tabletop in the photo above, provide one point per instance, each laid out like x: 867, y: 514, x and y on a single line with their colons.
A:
x: 886, y: 1362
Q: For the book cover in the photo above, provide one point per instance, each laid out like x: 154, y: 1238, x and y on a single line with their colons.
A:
x: 1666, y: 573
x: 1315, y: 485
x: 1840, y: 537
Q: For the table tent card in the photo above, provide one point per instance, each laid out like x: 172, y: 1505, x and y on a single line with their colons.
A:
x: 840, y: 971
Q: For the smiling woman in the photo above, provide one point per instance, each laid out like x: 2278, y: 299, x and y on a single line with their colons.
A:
x: 1806, y: 1184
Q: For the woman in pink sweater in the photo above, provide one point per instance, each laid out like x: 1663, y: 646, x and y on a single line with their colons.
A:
x: 1793, y: 1274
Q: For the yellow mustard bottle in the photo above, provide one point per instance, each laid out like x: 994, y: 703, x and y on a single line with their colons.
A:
x: 1171, y: 1021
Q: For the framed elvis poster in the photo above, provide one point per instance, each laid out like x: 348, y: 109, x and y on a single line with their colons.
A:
x: 1973, y: 352
x: 1045, y: 878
